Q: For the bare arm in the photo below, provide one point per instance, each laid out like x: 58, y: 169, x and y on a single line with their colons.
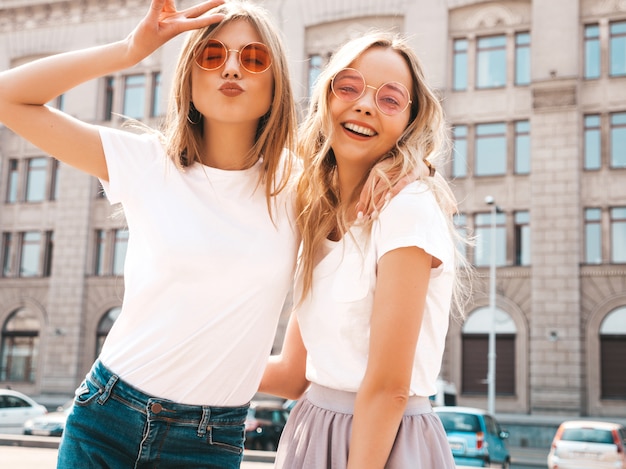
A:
x: 403, y: 276
x: 285, y: 373
x: 25, y: 90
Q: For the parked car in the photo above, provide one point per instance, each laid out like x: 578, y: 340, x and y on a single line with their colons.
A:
x: 580, y: 444
x: 15, y: 409
x: 475, y: 437
x: 446, y: 394
x: 264, y: 425
x: 50, y: 424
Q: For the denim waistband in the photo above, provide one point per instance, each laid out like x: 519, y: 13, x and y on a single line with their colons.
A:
x: 112, y: 386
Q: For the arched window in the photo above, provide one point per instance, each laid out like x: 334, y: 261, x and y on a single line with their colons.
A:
x: 475, y: 347
x: 612, y: 353
x: 104, y: 326
x: 20, y: 347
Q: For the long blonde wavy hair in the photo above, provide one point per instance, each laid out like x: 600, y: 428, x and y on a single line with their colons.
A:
x: 276, y: 129
x: 421, y: 147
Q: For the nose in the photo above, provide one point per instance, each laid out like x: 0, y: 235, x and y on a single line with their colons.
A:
x: 367, y: 102
x: 232, y: 66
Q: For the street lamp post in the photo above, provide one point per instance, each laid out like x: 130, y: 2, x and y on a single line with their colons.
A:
x: 491, y: 354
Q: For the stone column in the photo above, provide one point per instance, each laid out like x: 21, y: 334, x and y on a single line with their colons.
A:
x: 556, y: 367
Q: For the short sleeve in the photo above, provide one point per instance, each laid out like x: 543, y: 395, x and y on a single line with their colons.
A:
x: 127, y: 155
x: 413, y: 218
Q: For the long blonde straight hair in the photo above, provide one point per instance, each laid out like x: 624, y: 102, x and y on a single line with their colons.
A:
x: 276, y: 129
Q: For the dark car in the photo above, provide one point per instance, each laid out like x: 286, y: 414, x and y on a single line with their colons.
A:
x: 264, y: 425
x: 475, y: 437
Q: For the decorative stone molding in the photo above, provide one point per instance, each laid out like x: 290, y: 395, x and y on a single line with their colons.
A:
x: 602, y: 7
x: 554, y: 98
x: 492, y: 16
x: 452, y: 4
x: 325, y: 38
x: 474, y: 17
x: 324, y: 11
x: 31, y: 15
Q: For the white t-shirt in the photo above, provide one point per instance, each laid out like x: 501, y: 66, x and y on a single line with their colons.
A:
x: 335, y: 318
x: 206, y: 274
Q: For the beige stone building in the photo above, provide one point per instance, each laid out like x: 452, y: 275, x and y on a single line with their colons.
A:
x: 535, y: 94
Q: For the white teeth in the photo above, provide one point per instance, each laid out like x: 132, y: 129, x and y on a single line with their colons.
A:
x: 359, y: 129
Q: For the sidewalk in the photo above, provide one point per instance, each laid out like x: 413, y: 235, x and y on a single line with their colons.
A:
x: 52, y: 442
x: 524, y: 456
x: 529, y: 456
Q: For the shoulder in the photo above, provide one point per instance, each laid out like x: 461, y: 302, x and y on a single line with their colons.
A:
x: 415, y: 202
x: 141, y: 145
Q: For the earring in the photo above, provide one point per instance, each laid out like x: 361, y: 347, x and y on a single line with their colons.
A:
x: 193, y: 116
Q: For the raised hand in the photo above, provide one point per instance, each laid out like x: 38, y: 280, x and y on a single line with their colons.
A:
x: 163, y: 22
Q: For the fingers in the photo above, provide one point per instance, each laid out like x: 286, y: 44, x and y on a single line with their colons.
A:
x: 199, y: 16
x: 201, y: 8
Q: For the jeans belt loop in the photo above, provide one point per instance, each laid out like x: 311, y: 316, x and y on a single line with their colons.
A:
x: 204, y: 421
x: 107, y: 389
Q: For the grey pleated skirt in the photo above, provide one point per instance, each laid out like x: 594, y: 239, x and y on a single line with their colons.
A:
x: 317, y: 434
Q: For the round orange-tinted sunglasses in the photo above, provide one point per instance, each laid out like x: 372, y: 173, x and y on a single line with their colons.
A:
x: 254, y: 57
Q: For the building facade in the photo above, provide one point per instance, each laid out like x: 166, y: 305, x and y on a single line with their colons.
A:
x: 535, y: 95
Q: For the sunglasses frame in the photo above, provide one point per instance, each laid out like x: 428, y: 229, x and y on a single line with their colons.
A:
x: 365, y: 86
x: 238, y: 51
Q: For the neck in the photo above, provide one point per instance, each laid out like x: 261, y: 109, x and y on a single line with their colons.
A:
x: 349, y: 179
x: 227, y: 146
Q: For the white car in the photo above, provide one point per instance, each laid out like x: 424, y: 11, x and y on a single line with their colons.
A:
x: 15, y: 409
x: 585, y: 444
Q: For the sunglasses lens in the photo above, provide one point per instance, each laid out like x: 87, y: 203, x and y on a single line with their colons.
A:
x: 348, y: 85
x: 392, y: 98
x: 255, y: 57
x: 212, y: 56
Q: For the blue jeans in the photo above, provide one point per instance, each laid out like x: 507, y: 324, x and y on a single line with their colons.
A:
x: 113, y: 425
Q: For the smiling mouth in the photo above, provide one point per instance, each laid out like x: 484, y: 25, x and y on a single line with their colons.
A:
x: 358, y: 129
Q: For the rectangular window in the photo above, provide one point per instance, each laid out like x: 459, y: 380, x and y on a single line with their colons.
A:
x: 617, y: 47
x: 119, y: 251
x: 490, y: 154
x: 109, y: 83
x: 12, y: 183
x: 522, y: 59
x: 491, y: 62
x: 592, y: 142
x: 155, y: 106
x: 522, y: 147
x: 618, y: 140
x: 36, y: 180
x: 459, y: 155
x: 134, y: 96
x: 593, y: 236
x: 618, y: 235
x: 484, y: 239
x: 7, y: 255
x: 592, y: 51
x: 522, y: 238
x: 48, y: 250
x: 54, y: 182
x: 459, y: 73
x: 316, y: 62
x: 99, y: 259
x: 57, y: 103
x: 30, y: 254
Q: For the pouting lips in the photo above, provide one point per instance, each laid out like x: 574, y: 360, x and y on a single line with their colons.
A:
x: 358, y: 129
